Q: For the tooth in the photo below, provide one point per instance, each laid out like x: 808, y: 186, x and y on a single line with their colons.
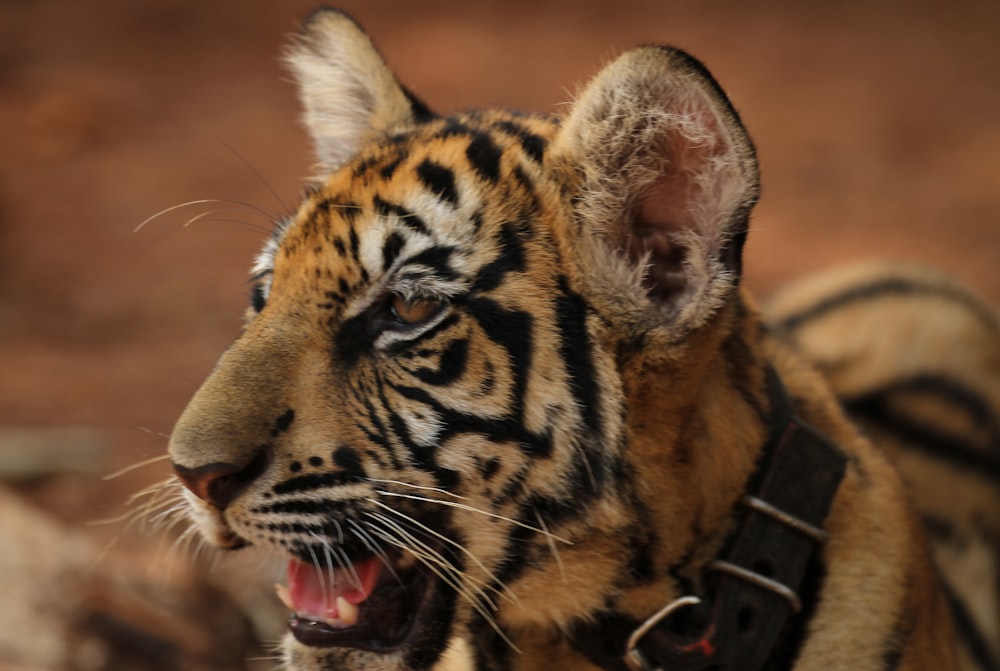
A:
x: 284, y: 595
x: 406, y: 561
x: 348, y: 612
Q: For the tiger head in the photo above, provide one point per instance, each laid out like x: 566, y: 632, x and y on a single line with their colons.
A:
x: 466, y: 401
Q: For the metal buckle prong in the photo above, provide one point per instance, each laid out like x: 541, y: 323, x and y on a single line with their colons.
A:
x: 633, y: 657
x: 754, y: 578
x: 785, y: 518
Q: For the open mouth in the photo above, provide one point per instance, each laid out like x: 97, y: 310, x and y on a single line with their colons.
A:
x: 371, y: 604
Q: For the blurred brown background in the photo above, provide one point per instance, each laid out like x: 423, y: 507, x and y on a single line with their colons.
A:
x: 877, y: 124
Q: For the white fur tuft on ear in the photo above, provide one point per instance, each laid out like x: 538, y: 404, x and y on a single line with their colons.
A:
x: 667, y: 178
x: 348, y: 92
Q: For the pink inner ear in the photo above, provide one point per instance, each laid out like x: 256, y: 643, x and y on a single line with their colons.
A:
x: 665, y: 216
x: 662, y: 213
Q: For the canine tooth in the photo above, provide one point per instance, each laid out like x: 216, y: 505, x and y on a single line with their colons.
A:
x: 405, y: 561
x: 284, y: 595
x: 348, y: 612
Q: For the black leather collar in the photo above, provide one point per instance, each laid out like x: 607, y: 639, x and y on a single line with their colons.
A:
x: 752, y: 590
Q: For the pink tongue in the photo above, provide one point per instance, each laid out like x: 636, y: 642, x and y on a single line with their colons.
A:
x: 314, y: 591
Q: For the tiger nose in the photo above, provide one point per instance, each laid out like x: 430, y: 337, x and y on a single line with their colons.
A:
x: 220, y: 483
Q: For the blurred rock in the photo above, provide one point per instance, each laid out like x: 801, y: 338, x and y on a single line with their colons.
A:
x: 69, y: 606
x: 29, y: 453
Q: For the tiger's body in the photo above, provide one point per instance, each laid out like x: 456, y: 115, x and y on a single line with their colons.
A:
x: 915, y: 359
x: 500, y: 380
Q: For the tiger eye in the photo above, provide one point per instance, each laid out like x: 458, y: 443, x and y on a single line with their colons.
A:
x: 416, y: 311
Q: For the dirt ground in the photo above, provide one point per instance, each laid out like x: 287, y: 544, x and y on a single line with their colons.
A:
x: 877, y: 125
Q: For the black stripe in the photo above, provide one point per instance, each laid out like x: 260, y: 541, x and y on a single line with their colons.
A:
x: 484, y: 157
x: 890, y: 286
x: 350, y: 211
x: 510, y: 258
x: 875, y: 408
x: 348, y: 460
x: 899, y: 639
x: 353, y: 236
x: 420, y: 111
x: 514, y: 331
x: 575, y: 348
x: 364, y: 165
x: 423, y: 457
x: 532, y: 144
x: 436, y: 258
x: 451, y: 365
x: 391, y: 248
x: 257, y: 298
x: 282, y: 423
x: 296, y: 507
x: 341, y: 248
x: 742, y: 362
x: 492, y: 651
x: 438, y: 179
x: 455, y: 422
x: 353, y: 338
x: 389, y: 168
x: 437, y: 619
x: 452, y: 127
x: 312, y: 481
x: 955, y: 394
x: 380, y: 434
x: 966, y: 627
x: 407, y: 218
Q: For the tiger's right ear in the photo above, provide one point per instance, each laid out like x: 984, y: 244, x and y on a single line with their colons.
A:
x: 349, y: 95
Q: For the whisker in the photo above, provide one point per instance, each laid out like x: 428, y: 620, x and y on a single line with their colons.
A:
x: 323, y: 585
x: 136, y: 466
x: 208, y: 215
x: 471, y: 509
x: 349, y: 566
x: 430, y: 558
x: 480, y: 585
x: 372, y: 545
x: 451, y: 542
x: 159, y: 434
x: 552, y: 546
x: 267, y: 185
x: 269, y: 216
x: 421, y: 487
x: 453, y: 580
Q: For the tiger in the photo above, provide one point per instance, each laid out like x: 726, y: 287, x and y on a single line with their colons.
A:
x: 502, y: 402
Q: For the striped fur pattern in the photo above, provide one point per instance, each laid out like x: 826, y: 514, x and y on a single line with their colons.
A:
x: 915, y: 359
x: 500, y: 377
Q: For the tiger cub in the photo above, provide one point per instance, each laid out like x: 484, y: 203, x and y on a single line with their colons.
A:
x: 502, y: 404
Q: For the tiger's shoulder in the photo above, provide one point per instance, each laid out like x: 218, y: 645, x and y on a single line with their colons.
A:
x: 914, y: 358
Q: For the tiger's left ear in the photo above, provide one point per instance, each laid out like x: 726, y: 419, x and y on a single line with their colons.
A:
x: 666, y: 178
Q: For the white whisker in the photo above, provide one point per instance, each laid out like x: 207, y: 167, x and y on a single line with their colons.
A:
x: 135, y: 466
x: 489, y: 574
x: 323, y: 583
x: 269, y: 216
x: 552, y: 546
x: 471, y: 509
x: 437, y: 490
x: 475, y: 599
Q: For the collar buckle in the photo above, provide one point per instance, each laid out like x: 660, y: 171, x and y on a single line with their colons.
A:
x: 633, y: 657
